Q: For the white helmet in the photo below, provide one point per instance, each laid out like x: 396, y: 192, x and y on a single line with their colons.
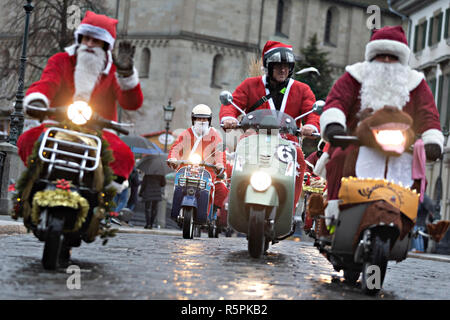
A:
x: 201, y: 111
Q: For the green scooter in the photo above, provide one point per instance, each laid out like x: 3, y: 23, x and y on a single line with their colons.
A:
x: 261, y: 198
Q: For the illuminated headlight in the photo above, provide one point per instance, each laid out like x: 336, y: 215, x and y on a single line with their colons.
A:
x: 195, y: 158
x: 390, y: 140
x: 182, y: 182
x: 79, y: 112
x: 202, y: 184
x: 260, y: 180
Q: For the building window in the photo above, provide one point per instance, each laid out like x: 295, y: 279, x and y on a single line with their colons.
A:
x: 331, y: 27
x: 283, y: 18
x: 144, y: 67
x: 218, y: 70
x: 420, y: 33
x: 447, y: 24
x: 435, y: 30
x: 445, y: 114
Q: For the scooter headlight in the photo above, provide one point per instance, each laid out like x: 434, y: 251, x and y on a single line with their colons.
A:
x: 79, y: 112
x: 195, y: 158
x: 260, y: 180
x: 390, y: 140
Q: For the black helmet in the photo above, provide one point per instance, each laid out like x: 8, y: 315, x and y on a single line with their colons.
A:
x: 277, y: 52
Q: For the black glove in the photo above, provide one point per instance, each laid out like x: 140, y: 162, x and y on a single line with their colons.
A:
x: 432, y: 151
x: 124, y: 59
x: 335, y: 129
x: 35, y: 103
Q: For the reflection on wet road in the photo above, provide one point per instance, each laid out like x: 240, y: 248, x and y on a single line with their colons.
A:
x: 135, y: 266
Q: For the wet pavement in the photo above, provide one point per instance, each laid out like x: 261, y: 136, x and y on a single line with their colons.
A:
x: 143, y: 266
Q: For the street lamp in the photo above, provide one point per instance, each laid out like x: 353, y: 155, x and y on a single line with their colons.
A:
x: 168, y: 115
x: 17, y: 118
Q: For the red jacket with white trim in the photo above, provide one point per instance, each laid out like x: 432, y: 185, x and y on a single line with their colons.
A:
x: 297, y: 100
x: 56, y: 87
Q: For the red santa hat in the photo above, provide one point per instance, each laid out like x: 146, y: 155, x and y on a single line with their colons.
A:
x: 97, y: 26
x: 275, y: 51
x: 388, y: 40
x: 272, y: 45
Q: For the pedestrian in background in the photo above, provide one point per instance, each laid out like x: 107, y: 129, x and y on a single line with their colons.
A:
x: 424, y: 216
x: 151, y: 194
x: 134, y: 182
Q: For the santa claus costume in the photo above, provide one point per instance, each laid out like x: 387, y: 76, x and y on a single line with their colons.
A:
x: 297, y: 98
x: 65, y: 79
x: 207, y: 146
x: 373, y: 84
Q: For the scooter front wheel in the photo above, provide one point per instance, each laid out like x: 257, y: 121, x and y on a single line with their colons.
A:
x: 188, y: 223
x: 372, y: 283
x: 53, y: 241
x: 256, y: 239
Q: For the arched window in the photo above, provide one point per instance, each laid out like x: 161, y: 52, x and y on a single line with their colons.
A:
x: 283, y: 18
x: 331, y: 27
x: 218, y: 71
x: 144, y: 67
x: 4, y: 62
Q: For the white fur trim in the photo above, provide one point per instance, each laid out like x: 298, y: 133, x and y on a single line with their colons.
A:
x: 95, y: 32
x: 312, y: 126
x: 356, y: 71
x: 332, y: 210
x: 71, y: 50
x: 320, y: 168
x: 433, y: 136
x: 332, y: 115
x: 385, y: 46
x: 228, y: 117
x: 130, y: 82
x: 36, y: 96
x: 108, y: 62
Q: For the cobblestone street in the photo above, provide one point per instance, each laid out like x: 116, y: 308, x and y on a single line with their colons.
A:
x: 140, y: 266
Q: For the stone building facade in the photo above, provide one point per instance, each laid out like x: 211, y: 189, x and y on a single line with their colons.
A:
x: 188, y: 51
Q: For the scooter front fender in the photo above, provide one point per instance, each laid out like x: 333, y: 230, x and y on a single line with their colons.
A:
x: 267, y: 198
x: 189, y: 201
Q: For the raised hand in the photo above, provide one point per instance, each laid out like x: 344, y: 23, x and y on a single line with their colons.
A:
x: 124, y: 59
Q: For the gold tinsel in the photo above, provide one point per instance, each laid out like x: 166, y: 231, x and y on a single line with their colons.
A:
x: 57, y: 198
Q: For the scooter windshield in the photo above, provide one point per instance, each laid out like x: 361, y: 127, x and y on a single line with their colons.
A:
x: 269, y: 120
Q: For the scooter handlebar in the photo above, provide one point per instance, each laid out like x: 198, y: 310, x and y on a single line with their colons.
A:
x: 203, y: 164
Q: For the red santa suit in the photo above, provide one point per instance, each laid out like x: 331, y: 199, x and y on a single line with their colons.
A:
x: 344, y: 101
x: 57, y: 88
x: 188, y: 142
x: 298, y: 99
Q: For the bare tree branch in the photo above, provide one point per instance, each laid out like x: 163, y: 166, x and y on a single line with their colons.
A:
x: 48, y: 34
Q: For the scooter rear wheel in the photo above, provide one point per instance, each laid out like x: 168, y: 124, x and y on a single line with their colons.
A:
x: 188, y: 223
x: 256, y: 239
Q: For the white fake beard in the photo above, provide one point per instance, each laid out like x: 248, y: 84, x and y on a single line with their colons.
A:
x: 201, y: 128
x: 88, y: 69
x: 384, y: 84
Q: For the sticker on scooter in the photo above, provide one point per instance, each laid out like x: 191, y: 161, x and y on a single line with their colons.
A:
x: 285, y: 153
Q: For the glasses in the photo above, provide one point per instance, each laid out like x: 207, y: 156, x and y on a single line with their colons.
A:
x: 386, y: 56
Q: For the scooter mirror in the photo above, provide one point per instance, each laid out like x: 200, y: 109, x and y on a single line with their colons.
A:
x: 226, y: 98
x: 318, y: 107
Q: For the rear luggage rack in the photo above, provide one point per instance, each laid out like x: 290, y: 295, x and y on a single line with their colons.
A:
x: 80, y: 158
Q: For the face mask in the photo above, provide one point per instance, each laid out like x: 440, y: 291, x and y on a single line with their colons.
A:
x: 201, y: 128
